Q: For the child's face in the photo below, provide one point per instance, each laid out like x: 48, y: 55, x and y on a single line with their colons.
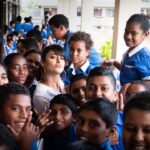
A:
x: 54, y: 63
x: 91, y: 127
x: 134, y: 35
x: 59, y: 33
x: 137, y: 130
x: 78, y: 53
x: 18, y: 70
x: 101, y: 86
x: 10, y: 43
x: 78, y: 91
x: 15, y: 111
x: 3, y: 76
x: 62, y: 116
x: 133, y: 89
x: 33, y: 61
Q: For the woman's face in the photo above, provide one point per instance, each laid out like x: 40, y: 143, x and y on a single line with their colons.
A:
x: 18, y: 70
x: 54, y: 63
x: 3, y: 76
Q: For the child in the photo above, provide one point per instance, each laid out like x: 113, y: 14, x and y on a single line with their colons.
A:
x: 80, y: 44
x: 17, y: 69
x: 60, y: 29
x: 9, y: 47
x: 63, y: 110
x: 15, y: 113
x: 3, y: 75
x: 77, y: 88
x: 96, y: 121
x: 137, y: 122
x: 135, y: 87
x: 135, y: 64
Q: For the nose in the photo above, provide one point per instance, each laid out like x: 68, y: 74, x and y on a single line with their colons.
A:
x: 58, y: 116
x: 84, y: 127
x: 98, y: 92
x: 58, y: 58
x: 139, y: 136
x: 23, y: 114
x: 81, y: 93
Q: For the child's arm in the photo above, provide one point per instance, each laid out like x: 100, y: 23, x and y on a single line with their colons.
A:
x: 27, y: 136
x: 111, y: 62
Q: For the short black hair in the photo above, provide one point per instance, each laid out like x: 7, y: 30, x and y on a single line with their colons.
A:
x: 19, y: 18
x: 65, y: 99
x: 141, y: 19
x: 6, y: 138
x: 82, y: 145
x: 82, y: 36
x: 11, y: 89
x: 58, y: 20
x: 26, y: 54
x: 102, y: 71
x: 140, y: 101
x: 77, y: 77
x: 58, y: 50
x: 35, y: 34
x: 104, y: 108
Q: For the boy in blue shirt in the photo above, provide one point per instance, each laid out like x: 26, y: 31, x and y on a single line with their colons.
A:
x: 96, y: 121
x: 136, y: 133
x: 63, y: 132
x: 60, y: 30
x: 15, y: 113
x: 135, y: 64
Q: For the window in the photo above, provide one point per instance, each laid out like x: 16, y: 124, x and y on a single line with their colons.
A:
x: 110, y: 12
x: 98, y: 12
x: 78, y: 11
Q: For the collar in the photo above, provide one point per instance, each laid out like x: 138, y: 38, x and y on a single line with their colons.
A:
x: 136, y: 49
x: 83, y: 67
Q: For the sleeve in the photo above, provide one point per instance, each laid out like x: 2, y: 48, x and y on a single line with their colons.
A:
x: 39, y: 103
x: 143, y: 66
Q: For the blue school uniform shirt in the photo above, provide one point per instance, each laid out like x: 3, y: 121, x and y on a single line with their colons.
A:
x: 59, y: 141
x: 11, y: 30
x: 18, y: 27
x: 26, y: 27
x: 70, y: 71
x: 106, y: 145
x: 9, y: 50
x: 95, y: 57
x: 119, y: 128
x: 135, y: 65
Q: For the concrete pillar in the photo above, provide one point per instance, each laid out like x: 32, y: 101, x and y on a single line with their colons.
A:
x: 87, y: 16
x: 123, y: 10
x: 69, y: 9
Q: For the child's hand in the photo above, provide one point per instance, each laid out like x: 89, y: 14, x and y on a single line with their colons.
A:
x: 108, y: 62
x: 113, y: 138
x: 120, y: 103
x: 27, y: 135
x: 43, y: 120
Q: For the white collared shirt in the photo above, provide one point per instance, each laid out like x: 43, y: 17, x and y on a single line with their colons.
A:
x: 83, y: 67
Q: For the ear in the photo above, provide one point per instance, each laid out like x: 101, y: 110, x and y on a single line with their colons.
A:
x: 88, y: 53
x: 61, y: 27
x: 115, y: 96
x: 146, y: 33
x: 113, y: 136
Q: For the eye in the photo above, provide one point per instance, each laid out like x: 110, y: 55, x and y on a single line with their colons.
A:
x: 62, y: 58
x: 104, y: 88
x: 93, y: 124
x: 64, y: 112
x: 80, y: 121
x: 16, y: 67
x: 16, y: 108
x: 79, y: 50
x: 91, y: 88
x: 129, y: 128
